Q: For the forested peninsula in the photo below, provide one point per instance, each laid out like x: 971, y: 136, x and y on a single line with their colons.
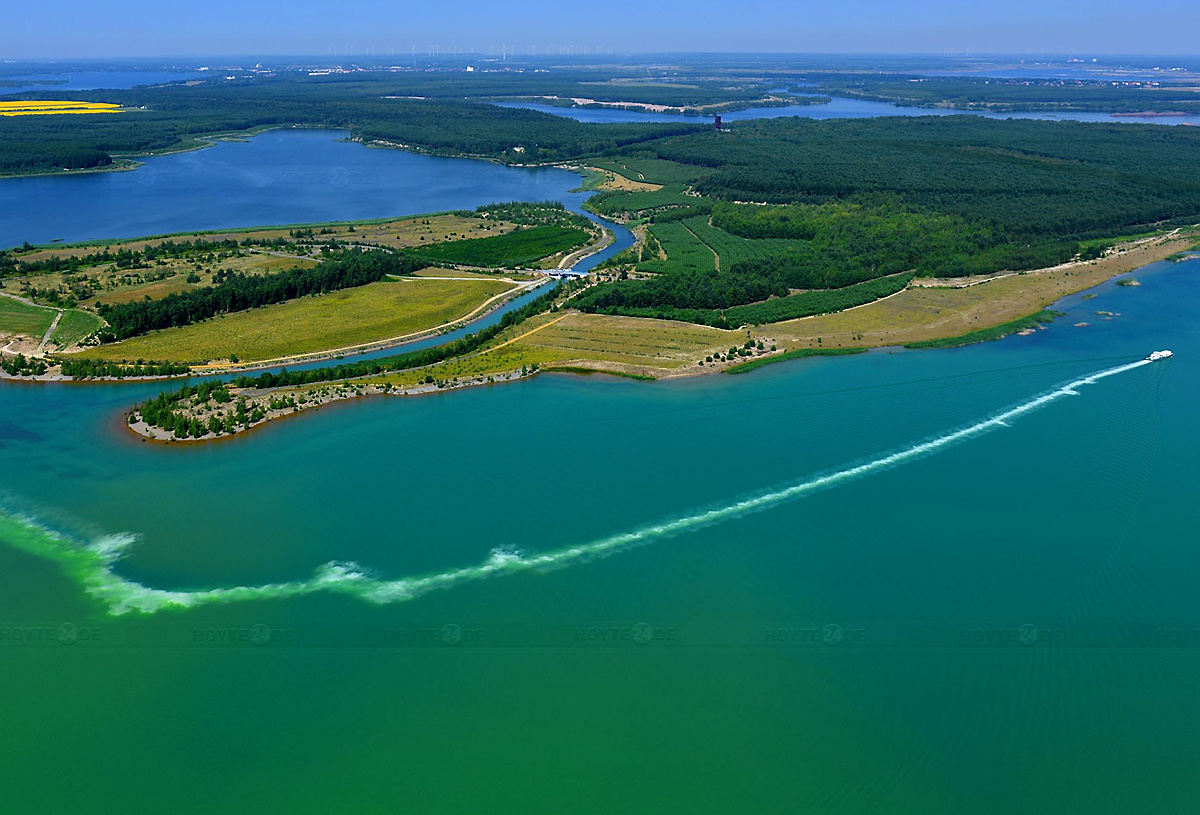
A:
x: 762, y: 239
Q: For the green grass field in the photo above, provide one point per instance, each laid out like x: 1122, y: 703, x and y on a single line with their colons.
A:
x: 732, y: 248
x: 998, y: 332
x: 693, y: 244
x: 671, y: 195
x: 652, y: 170
x: 349, y: 317
x: 512, y: 249
x: 685, y: 252
x: 626, y: 340
x: 754, y: 364
x: 556, y: 341
x: 19, y: 318
x: 74, y: 326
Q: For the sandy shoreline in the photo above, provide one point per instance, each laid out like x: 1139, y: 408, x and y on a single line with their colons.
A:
x: 1134, y: 255
x: 1129, y: 257
x: 1124, y: 258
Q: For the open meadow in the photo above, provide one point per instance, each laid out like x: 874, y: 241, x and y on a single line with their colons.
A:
x: 355, y: 316
x: 392, y: 232
x: 17, y: 317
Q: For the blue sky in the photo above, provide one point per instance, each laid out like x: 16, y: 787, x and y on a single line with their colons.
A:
x: 72, y: 28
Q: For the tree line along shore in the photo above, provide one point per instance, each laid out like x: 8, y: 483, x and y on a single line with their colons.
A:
x: 550, y: 339
x: 752, y: 230
x: 159, y: 301
x: 452, y: 112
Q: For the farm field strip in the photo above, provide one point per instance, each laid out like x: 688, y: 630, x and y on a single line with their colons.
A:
x: 51, y: 107
x: 338, y: 320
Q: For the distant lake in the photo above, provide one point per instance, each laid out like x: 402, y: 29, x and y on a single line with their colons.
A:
x: 839, y: 108
x: 279, y: 177
x: 91, y: 80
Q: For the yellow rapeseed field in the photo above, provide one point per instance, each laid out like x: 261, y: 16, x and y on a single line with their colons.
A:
x: 50, y: 107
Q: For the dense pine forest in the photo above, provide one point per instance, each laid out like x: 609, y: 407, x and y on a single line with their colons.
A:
x: 999, y: 94
x: 795, y: 204
x: 1052, y: 178
x: 443, y: 121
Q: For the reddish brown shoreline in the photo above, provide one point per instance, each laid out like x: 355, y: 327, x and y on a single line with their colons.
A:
x: 127, y: 430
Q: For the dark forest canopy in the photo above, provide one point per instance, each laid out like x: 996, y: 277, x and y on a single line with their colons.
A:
x: 176, y: 116
x: 510, y: 250
x: 1050, y: 178
x: 999, y: 94
x: 800, y: 204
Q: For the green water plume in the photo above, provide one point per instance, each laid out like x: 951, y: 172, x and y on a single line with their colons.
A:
x: 92, y: 563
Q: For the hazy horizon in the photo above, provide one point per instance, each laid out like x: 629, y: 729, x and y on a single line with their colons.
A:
x: 138, y: 29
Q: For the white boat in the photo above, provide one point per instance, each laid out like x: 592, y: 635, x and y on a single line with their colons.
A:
x: 1157, y: 355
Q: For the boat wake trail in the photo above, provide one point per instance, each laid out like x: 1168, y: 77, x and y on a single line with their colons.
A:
x: 93, y: 563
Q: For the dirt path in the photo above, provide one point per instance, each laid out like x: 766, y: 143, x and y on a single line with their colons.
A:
x: 606, y: 239
x: 41, y: 349
x: 21, y: 299
x: 254, y: 251
x: 40, y: 352
x: 470, y: 279
x: 619, y: 181
x: 526, y: 334
x: 716, y: 257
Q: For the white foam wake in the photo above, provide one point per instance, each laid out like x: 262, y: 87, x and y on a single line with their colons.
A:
x: 93, y: 563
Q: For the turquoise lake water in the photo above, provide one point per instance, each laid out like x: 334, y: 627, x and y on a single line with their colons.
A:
x: 1004, y: 624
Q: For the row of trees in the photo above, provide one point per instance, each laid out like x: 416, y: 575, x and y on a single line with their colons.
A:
x: 775, y: 309
x: 20, y: 365
x: 509, y: 250
x: 123, y: 258
x: 809, y: 303
x: 18, y: 156
x: 164, y: 407
x: 691, y: 289
x: 104, y: 369
x: 538, y: 213
x: 240, y: 291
